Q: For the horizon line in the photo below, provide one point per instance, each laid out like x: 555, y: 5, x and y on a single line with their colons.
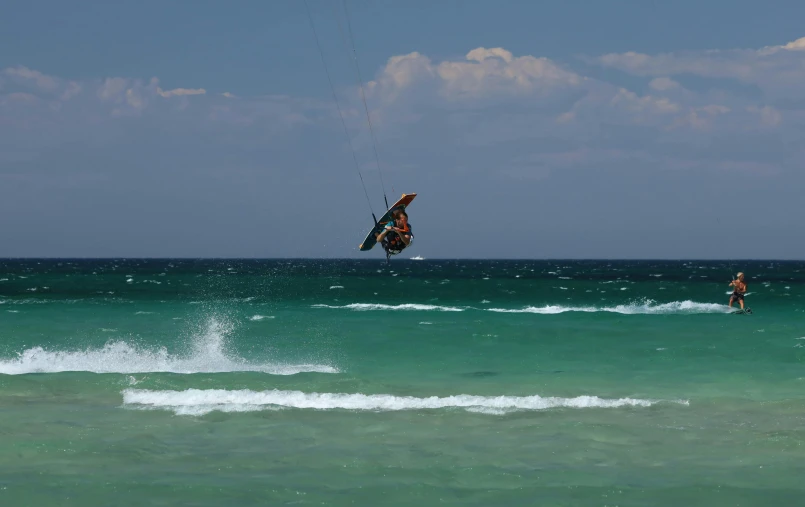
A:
x: 563, y: 259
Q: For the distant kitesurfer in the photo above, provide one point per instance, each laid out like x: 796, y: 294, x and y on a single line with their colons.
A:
x: 740, y: 290
x: 397, y: 234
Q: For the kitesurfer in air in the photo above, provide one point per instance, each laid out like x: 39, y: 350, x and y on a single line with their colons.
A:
x: 740, y: 290
x: 397, y: 234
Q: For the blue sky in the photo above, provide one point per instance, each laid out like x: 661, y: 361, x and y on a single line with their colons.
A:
x: 529, y: 129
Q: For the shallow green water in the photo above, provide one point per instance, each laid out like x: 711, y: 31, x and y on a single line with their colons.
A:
x: 127, y: 382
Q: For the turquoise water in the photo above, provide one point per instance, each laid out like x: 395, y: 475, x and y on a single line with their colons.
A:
x: 294, y: 382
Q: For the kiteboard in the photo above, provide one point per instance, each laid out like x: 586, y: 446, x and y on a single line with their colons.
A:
x: 371, y: 240
x: 747, y: 311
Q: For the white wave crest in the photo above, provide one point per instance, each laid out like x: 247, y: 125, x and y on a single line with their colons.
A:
x: 260, y: 317
x: 202, y: 401
x: 207, y: 354
x: 407, y: 306
x: 39, y: 301
x: 641, y: 308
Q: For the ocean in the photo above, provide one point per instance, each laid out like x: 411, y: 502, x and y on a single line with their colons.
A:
x: 424, y: 382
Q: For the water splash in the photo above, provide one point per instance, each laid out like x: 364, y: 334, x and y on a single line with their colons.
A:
x: 207, y: 353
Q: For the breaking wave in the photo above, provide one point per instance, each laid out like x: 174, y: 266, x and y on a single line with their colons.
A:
x: 645, y: 307
x: 409, y: 307
x: 207, y: 354
x: 260, y: 317
x: 639, y: 308
x: 202, y: 401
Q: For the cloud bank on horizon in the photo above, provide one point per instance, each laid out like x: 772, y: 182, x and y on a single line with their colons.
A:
x: 613, y: 155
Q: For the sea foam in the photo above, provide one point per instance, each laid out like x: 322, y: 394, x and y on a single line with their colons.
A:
x: 407, y: 307
x: 202, y: 401
x: 206, y: 354
x: 645, y: 307
x: 638, y: 308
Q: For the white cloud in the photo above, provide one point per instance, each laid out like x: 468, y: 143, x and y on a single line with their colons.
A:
x: 490, y: 71
x: 486, y: 99
x: 662, y: 84
x: 631, y: 102
x: 91, y: 100
x: 604, y: 102
x: 701, y: 118
x: 769, y: 116
x: 714, y: 109
x: 112, y: 87
x: 481, y: 54
x: 135, y: 99
x: 566, y: 117
x: 797, y: 45
x: 178, y: 92
x: 400, y: 73
x: 41, y: 81
x: 484, y: 73
x: 19, y: 98
x: 779, y: 70
x: 128, y: 96
x: 42, y: 85
x: 412, y: 84
x: 71, y: 90
x: 491, y: 97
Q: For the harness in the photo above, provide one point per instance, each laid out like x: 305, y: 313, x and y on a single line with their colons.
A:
x: 393, y: 243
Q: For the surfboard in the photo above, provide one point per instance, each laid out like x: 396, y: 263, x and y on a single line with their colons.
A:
x: 371, y: 240
x: 747, y: 311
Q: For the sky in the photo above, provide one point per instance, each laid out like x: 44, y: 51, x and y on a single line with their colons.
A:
x: 612, y: 129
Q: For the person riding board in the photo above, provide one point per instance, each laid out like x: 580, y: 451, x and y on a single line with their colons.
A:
x: 740, y: 290
x: 397, y: 234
